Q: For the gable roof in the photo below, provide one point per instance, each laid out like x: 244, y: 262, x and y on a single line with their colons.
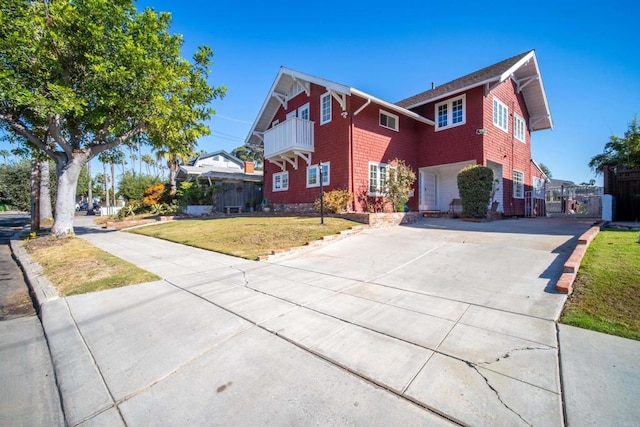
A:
x: 523, y: 68
x: 223, y: 153
x: 285, y: 79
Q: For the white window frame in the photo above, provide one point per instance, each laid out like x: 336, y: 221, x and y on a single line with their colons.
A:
x: 275, y: 123
x: 377, y: 186
x: 517, y: 185
x: 519, y: 127
x: 325, y: 116
x: 326, y: 175
x: 279, y: 179
x: 291, y: 114
x: 448, y: 104
x: 388, y: 115
x: 500, y: 115
x: 304, y: 108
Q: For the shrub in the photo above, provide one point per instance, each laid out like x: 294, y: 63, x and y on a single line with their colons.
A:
x: 191, y: 193
x: 475, y: 184
x: 154, y: 195
x: 335, y: 201
x: 399, y: 183
x: 132, y: 186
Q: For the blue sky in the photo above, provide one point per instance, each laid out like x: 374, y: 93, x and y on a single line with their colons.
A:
x: 587, y: 53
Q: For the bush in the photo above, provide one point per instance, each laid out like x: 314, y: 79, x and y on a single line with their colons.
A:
x: 132, y: 186
x: 399, y: 184
x: 335, y: 201
x: 155, y: 194
x: 475, y: 184
x: 191, y: 193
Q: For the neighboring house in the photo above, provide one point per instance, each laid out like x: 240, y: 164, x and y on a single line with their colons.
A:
x: 237, y: 182
x: 485, y: 118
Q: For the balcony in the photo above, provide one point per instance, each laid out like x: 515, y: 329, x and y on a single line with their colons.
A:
x: 289, y: 141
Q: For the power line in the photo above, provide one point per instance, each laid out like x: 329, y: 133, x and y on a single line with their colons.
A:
x: 232, y: 119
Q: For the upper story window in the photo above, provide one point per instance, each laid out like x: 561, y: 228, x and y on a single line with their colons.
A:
x: 518, y: 127
x: 451, y: 112
x: 378, y: 174
x: 281, y: 181
x: 325, y: 108
x: 313, y: 175
x: 518, y: 184
x: 275, y: 123
x: 296, y: 88
x: 303, y: 112
x: 500, y: 115
x: 388, y: 120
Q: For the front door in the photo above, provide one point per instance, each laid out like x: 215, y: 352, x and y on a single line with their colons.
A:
x: 428, y: 195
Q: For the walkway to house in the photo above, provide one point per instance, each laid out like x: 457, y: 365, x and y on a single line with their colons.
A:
x: 440, y: 322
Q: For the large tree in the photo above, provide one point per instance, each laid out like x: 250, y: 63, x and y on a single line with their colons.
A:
x: 620, y: 153
x: 95, y: 74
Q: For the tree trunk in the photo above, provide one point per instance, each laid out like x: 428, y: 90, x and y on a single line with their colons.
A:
x: 173, y: 172
x: 46, y: 214
x: 35, y: 196
x: 113, y: 184
x: 67, y: 172
x: 106, y: 185
x: 90, y: 191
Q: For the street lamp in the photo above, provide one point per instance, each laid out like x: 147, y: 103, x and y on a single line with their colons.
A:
x: 321, y: 195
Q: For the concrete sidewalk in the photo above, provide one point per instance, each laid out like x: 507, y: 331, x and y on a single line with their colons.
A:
x: 409, y: 325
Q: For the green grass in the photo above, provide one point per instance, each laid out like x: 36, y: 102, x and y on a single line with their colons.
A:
x: 246, y: 237
x: 74, y: 266
x: 606, y: 292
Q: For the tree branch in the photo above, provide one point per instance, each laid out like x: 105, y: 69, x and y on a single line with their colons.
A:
x: 96, y: 149
x: 54, y: 129
x: 20, y: 128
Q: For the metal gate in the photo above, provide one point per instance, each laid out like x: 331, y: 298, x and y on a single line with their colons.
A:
x: 574, y: 201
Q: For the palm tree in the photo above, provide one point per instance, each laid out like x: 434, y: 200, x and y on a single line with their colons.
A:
x: 148, y: 160
x: 175, y: 155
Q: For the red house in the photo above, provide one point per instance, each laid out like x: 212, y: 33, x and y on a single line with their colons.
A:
x: 485, y: 118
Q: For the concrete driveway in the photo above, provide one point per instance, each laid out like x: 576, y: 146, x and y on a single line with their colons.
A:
x: 443, y: 321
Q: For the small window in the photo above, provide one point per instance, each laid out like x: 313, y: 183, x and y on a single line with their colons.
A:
x: 377, y: 178
x: 303, y: 112
x: 281, y: 181
x: 275, y: 123
x: 500, y: 115
x: 388, y: 120
x: 518, y: 185
x: 313, y: 175
x: 450, y: 113
x: 290, y: 115
x: 325, y: 108
x: 518, y: 127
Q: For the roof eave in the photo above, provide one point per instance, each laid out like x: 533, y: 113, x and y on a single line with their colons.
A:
x: 393, y: 107
x: 453, y: 92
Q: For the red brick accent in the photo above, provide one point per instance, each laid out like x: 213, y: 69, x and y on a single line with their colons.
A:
x: 565, y: 283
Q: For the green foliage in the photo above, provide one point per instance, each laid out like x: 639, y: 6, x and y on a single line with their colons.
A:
x: 398, y: 186
x: 132, y: 186
x: 191, y: 193
x: 335, y: 201
x: 620, y: 153
x: 475, y: 184
x: 545, y: 169
x: 249, y: 153
x: 15, y: 185
x: 80, y: 77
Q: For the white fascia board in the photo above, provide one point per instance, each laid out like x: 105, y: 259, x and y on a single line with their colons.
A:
x: 329, y: 85
x: 393, y: 107
x: 544, y: 94
x: 504, y: 76
x: 454, y: 92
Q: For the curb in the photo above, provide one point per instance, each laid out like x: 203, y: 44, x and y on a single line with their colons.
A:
x: 80, y: 385
x: 572, y: 265
x: 322, y: 241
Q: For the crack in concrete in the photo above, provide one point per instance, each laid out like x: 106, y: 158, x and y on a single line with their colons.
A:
x: 495, y: 391
x: 508, y: 354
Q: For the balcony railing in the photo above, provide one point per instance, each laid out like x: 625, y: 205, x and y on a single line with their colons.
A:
x: 293, y: 135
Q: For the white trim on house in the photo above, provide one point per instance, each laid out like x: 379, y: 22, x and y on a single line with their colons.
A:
x: 280, y: 181
x: 446, y: 117
x: 519, y: 127
x: 391, y: 121
x: 392, y: 107
x: 303, y: 112
x: 325, y: 108
x: 378, y: 174
x: 500, y: 115
x: 517, y: 184
x: 313, y: 171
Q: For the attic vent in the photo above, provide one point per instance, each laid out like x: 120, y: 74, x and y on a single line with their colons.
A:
x: 295, y: 89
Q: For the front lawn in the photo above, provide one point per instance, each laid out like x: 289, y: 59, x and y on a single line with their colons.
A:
x: 246, y: 237
x: 606, y: 292
x: 74, y: 266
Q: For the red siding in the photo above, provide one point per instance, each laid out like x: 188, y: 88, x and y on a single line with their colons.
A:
x: 503, y: 148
